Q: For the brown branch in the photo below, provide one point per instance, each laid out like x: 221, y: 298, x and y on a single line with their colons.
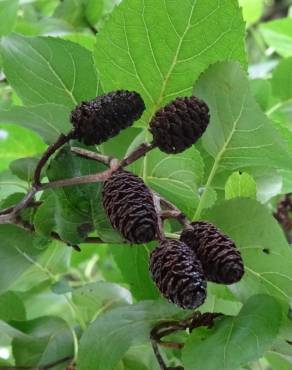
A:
x: 137, y: 153
x: 158, y: 356
x: 63, y: 139
x: 165, y: 328
x: 92, y: 155
x: 173, y: 212
x: 87, y: 179
x: 8, y: 218
x: 160, y: 231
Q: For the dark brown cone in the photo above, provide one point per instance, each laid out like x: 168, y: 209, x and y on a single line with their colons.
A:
x: 129, y: 206
x: 179, y: 124
x: 178, y: 274
x: 221, y: 260
x: 98, y: 120
x: 283, y: 212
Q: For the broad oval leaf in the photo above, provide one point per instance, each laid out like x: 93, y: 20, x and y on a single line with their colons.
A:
x: 95, y: 298
x: 278, y: 35
x: 282, y: 80
x: 11, y: 307
x: 47, y: 120
x: 49, y: 70
x: 239, y: 134
x: 236, y: 340
x: 48, y: 340
x: 18, y: 250
x: 133, y: 261
x: 117, y: 330
x: 240, y: 185
x: 266, y: 254
x: 8, y: 15
x: 17, y: 142
x: 158, y: 48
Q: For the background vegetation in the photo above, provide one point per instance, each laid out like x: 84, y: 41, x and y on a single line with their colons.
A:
x: 95, y: 308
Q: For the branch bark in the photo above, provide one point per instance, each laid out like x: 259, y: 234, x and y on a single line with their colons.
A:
x: 92, y: 155
x: 165, y: 328
x: 63, y: 139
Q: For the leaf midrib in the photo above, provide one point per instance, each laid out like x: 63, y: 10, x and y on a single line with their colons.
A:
x: 217, y: 160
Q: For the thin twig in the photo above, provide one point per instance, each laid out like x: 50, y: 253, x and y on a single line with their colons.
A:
x: 165, y: 328
x: 137, y: 153
x: 160, y: 231
x: 158, y: 356
x: 8, y: 218
x: 92, y: 155
x: 62, y: 139
x: 87, y: 179
x: 173, y: 212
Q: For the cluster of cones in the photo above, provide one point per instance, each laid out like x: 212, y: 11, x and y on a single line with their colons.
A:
x: 180, y: 268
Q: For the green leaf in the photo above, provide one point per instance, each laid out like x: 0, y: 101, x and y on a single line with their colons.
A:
x: 175, y: 177
x: 83, y: 39
x: 94, y: 10
x: 95, y: 298
x: 282, y: 80
x: 240, y: 185
x: 11, y: 200
x: 10, y: 184
x: 8, y: 15
x: 262, y: 92
x: 11, y: 307
x: 278, y: 35
x: 251, y: 10
x: 46, y: 120
x: 45, y: 26
x: 268, y: 184
x: 220, y: 299
x: 156, y: 47
x: 73, y: 211
x: 72, y: 12
x: 140, y: 358
x: 265, y: 251
x: 239, y: 134
x: 54, y: 261
x: 10, y: 331
x: 279, y: 362
x: 235, y: 341
x: 49, y: 70
x: 18, y: 250
x: 133, y: 262
x: 24, y: 168
x: 44, y: 219
x: 282, y: 344
x: 117, y: 330
x: 76, y: 210
x: 50, y: 339
x: 17, y: 142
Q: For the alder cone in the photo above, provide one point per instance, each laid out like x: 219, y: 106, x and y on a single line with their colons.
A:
x: 283, y: 212
x: 178, y: 274
x: 179, y: 124
x: 130, y: 208
x: 221, y: 260
x: 98, y: 120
